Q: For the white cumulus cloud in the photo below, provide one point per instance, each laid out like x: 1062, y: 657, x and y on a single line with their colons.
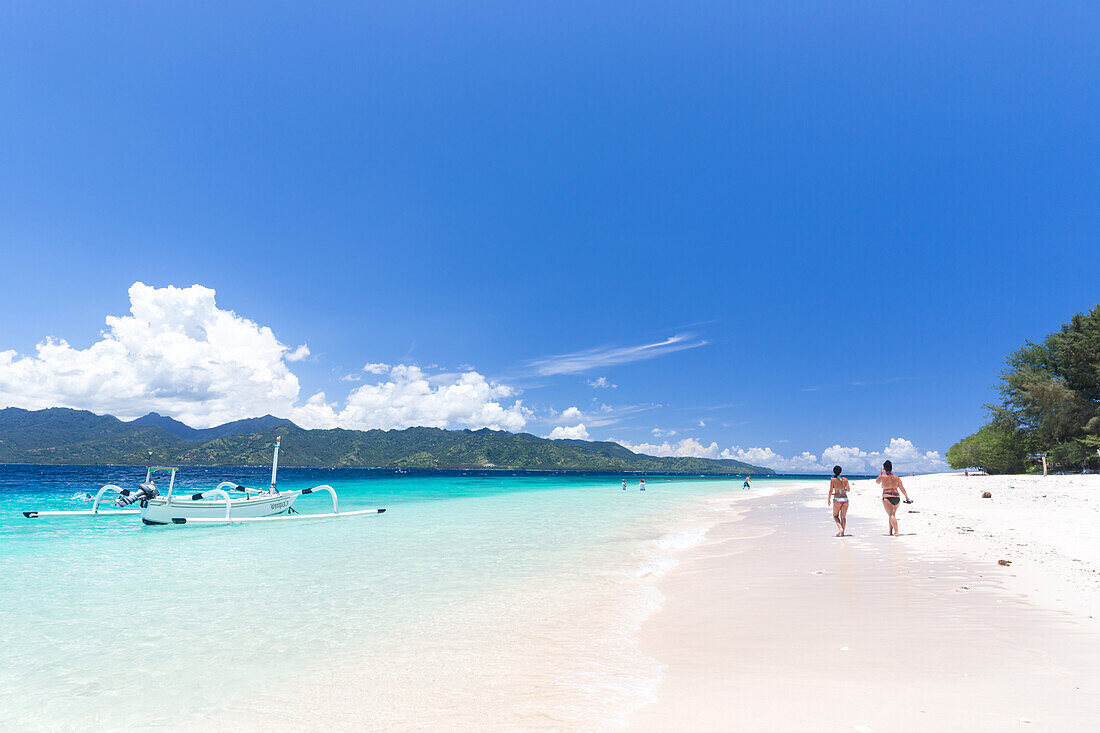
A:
x: 570, y: 414
x: 178, y: 353
x: 298, y: 354
x: 410, y: 396
x: 601, y: 383
x: 804, y: 462
x: 904, y: 455
x: 577, y: 432
x: 688, y: 447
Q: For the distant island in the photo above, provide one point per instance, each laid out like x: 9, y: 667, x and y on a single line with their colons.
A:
x: 64, y: 436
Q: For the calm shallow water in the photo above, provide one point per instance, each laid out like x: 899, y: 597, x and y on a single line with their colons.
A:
x: 479, y: 600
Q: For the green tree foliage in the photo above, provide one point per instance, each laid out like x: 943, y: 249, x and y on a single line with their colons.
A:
x: 1076, y: 352
x: 996, y: 449
x: 1050, y: 402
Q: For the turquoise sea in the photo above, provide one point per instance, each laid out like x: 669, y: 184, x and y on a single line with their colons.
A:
x: 478, y: 601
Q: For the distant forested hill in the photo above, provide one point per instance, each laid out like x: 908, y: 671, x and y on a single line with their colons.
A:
x: 78, y: 437
x: 182, y: 430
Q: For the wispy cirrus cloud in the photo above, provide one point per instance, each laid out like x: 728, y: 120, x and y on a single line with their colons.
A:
x: 579, y: 362
x: 598, y: 415
x: 723, y: 406
x: 604, y: 414
x: 881, y: 382
x: 872, y: 383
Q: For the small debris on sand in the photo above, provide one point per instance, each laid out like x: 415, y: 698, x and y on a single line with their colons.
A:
x: 987, y: 495
x: 1006, y: 563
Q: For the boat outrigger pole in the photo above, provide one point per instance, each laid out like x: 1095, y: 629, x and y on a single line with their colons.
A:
x: 275, y: 465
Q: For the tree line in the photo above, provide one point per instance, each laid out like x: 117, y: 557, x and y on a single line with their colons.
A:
x: 1050, y: 403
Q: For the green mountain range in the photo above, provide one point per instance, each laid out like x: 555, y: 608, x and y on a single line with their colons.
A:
x: 77, y: 437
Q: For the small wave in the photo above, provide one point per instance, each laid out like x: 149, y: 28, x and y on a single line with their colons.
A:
x: 84, y: 495
x: 682, y: 539
x: 656, y: 568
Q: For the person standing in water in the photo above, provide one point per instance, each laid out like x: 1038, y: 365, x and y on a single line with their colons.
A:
x: 746, y: 484
x: 624, y: 484
x: 641, y: 484
x: 838, y: 497
x: 891, y: 485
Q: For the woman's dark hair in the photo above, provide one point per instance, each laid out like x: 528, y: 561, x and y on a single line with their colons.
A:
x: 836, y: 470
x: 888, y: 466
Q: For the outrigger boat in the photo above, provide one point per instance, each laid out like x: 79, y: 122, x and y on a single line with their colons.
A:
x: 214, y: 506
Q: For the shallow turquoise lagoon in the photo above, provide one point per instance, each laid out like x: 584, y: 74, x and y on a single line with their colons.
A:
x: 481, y: 600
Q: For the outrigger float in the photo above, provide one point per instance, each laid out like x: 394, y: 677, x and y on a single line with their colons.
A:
x: 214, y: 506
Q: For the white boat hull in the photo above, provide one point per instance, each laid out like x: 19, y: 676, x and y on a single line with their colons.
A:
x: 160, y: 511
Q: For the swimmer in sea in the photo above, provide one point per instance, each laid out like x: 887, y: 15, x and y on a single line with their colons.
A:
x: 624, y: 484
x: 891, y: 485
x: 838, y: 497
x: 746, y: 484
x: 641, y: 485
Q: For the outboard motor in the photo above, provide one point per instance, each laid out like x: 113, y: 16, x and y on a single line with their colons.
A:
x: 144, y: 493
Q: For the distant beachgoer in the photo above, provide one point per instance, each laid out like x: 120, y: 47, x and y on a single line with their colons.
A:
x: 624, y: 484
x: 891, y: 485
x: 838, y: 497
x: 746, y: 484
x: 966, y: 474
x: 641, y: 485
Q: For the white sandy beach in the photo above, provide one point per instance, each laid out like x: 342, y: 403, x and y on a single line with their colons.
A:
x: 1045, y: 526
x: 773, y: 624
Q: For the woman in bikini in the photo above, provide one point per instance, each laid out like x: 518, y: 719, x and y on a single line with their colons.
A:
x: 838, y: 497
x: 891, y: 485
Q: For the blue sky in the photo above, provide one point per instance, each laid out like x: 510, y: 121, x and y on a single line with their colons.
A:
x: 838, y: 217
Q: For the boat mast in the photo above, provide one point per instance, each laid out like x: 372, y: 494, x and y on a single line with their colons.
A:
x: 275, y: 466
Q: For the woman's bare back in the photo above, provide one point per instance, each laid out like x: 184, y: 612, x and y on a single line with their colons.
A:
x: 889, y: 482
